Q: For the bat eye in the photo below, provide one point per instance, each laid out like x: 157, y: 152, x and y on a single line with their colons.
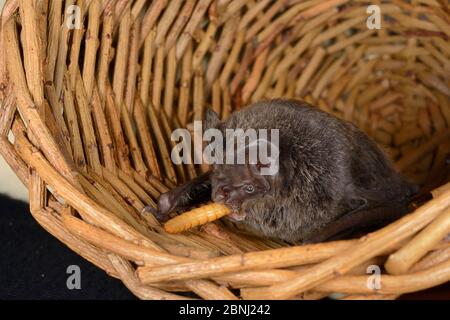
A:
x: 249, y: 188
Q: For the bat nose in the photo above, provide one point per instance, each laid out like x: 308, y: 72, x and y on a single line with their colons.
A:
x: 221, y: 194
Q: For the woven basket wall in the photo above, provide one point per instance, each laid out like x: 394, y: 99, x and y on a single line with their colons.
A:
x: 87, y: 113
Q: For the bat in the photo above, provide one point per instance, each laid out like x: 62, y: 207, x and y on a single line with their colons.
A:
x: 332, y: 179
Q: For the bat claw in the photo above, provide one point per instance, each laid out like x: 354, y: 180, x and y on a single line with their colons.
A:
x: 161, y: 217
x: 149, y: 209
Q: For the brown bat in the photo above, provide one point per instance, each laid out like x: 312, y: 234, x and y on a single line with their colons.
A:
x: 332, y: 180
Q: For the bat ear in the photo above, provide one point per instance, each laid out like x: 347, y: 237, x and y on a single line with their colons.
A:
x: 256, y: 167
x: 211, y: 119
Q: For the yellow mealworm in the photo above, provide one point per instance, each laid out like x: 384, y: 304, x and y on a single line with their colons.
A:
x: 196, y: 217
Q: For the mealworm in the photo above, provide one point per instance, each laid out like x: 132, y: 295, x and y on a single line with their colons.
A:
x: 196, y: 217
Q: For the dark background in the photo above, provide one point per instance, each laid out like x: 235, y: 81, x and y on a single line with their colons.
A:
x: 33, y: 264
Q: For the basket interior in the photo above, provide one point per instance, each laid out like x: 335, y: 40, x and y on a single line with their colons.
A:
x: 91, y: 108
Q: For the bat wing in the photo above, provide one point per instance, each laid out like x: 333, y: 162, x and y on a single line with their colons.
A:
x: 186, y: 195
x: 360, y: 219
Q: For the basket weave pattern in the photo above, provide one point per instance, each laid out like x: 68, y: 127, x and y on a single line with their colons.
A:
x: 87, y: 114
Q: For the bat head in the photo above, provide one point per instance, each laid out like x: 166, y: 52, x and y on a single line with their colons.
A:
x: 235, y: 182
x: 232, y: 185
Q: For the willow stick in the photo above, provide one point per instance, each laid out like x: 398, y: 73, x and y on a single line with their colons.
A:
x: 104, y: 135
x: 91, y: 45
x: 74, y: 128
x: 53, y: 112
x: 110, y: 201
x: 158, y: 79
x: 232, y: 59
x: 32, y: 60
x: 444, y: 105
x: 157, y: 184
x: 132, y: 70
x: 105, y: 49
x: 51, y: 222
x: 121, y: 187
x: 135, y: 151
x: 75, y: 47
x: 61, y: 67
x: 219, y: 54
x: 88, y: 208
x: 169, y: 85
x: 113, y: 117
x: 264, y: 19
x: 203, y: 46
x: 402, y: 260
x: 438, y: 191
x: 366, y: 248
x: 162, y: 146
x: 8, y: 10
x: 226, y: 103
x: 120, y: 8
x: 326, y: 77
x: 7, y: 111
x: 148, y: 187
x: 140, y: 192
x: 205, y: 289
x: 293, y: 55
x: 169, y: 15
x: 436, y: 117
x: 198, y: 98
x: 126, y: 274
x: 120, y: 67
x: 252, y: 13
x: 33, y: 72
x: 185, y: 86
x: 128, y: 213
x: 431, y: 259
x: 115, y: 244
x: 26, y: 106
x: 309, y: 70
x: 285, y: 257
x: 146, y: 140
x: 151, y: 17
x: 418, y: 153
x: 408, y: 133
x: 273, y: 276
x: 216, y: 97
x: 54, y: 25
x: 136, y: 9
x: 180, y: 22
x: 146, y: 67
x: 175, y: 157
x: 390, y: 284
x: 86, y: 125
x: 255, y: 76
x: 242, y: 69
x: 194, y: 21
x: 296, y: 12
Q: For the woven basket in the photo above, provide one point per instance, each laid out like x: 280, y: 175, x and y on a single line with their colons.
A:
x: 87, y: 113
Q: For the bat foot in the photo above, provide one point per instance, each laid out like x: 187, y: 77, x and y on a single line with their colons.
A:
x: 161, y: 217
x: 165, y: 203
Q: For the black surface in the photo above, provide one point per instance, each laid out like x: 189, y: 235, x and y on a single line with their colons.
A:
x: 33, y: 264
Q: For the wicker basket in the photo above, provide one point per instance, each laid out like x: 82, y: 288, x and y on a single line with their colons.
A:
x: 87, y: 113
